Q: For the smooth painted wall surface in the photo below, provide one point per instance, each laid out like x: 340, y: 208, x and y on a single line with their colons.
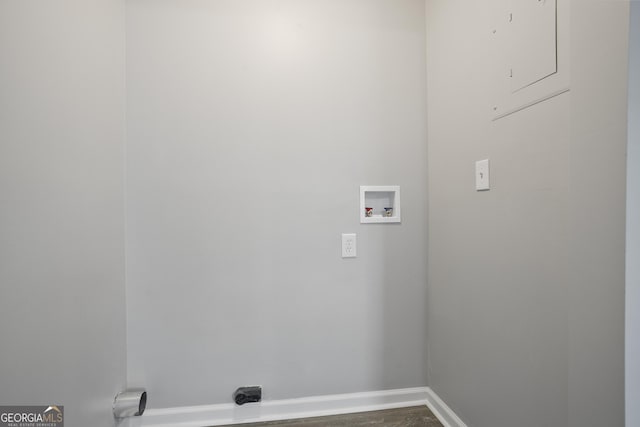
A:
x: 526, y: 281
x: 251, y: 126
x: 632, y: 341
x: 62, y: 292
x: 596, y: 211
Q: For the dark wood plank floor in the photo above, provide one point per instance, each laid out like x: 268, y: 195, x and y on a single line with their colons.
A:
x: 416, y: 416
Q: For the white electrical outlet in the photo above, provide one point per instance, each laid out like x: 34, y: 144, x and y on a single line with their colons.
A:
x: 349, y: 245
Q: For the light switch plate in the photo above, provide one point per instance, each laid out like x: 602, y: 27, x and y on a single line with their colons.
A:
x: 482, y: 175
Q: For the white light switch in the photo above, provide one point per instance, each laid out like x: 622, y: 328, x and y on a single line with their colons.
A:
x: 349, y: 245
x: 482, y: 175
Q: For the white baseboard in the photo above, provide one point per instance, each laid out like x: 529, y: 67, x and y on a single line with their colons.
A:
x: 447, y: 417
x: 215, y: 415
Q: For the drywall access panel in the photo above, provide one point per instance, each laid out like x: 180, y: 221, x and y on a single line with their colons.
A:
x: 530, y: 53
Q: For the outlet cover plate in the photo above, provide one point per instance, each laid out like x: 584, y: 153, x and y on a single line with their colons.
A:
x: 349, y: 245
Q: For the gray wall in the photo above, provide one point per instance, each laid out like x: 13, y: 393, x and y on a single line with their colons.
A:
x: 633, y: 227
x: 62, y: 307
x: 526, y: 281
x: 596, y: 211
x: 251, y: 125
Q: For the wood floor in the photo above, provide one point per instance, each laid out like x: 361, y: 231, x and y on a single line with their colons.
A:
x: 416, y: 416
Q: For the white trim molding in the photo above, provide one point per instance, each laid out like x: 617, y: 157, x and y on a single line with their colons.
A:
x: 222, y: 414
x: 447, y: 417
